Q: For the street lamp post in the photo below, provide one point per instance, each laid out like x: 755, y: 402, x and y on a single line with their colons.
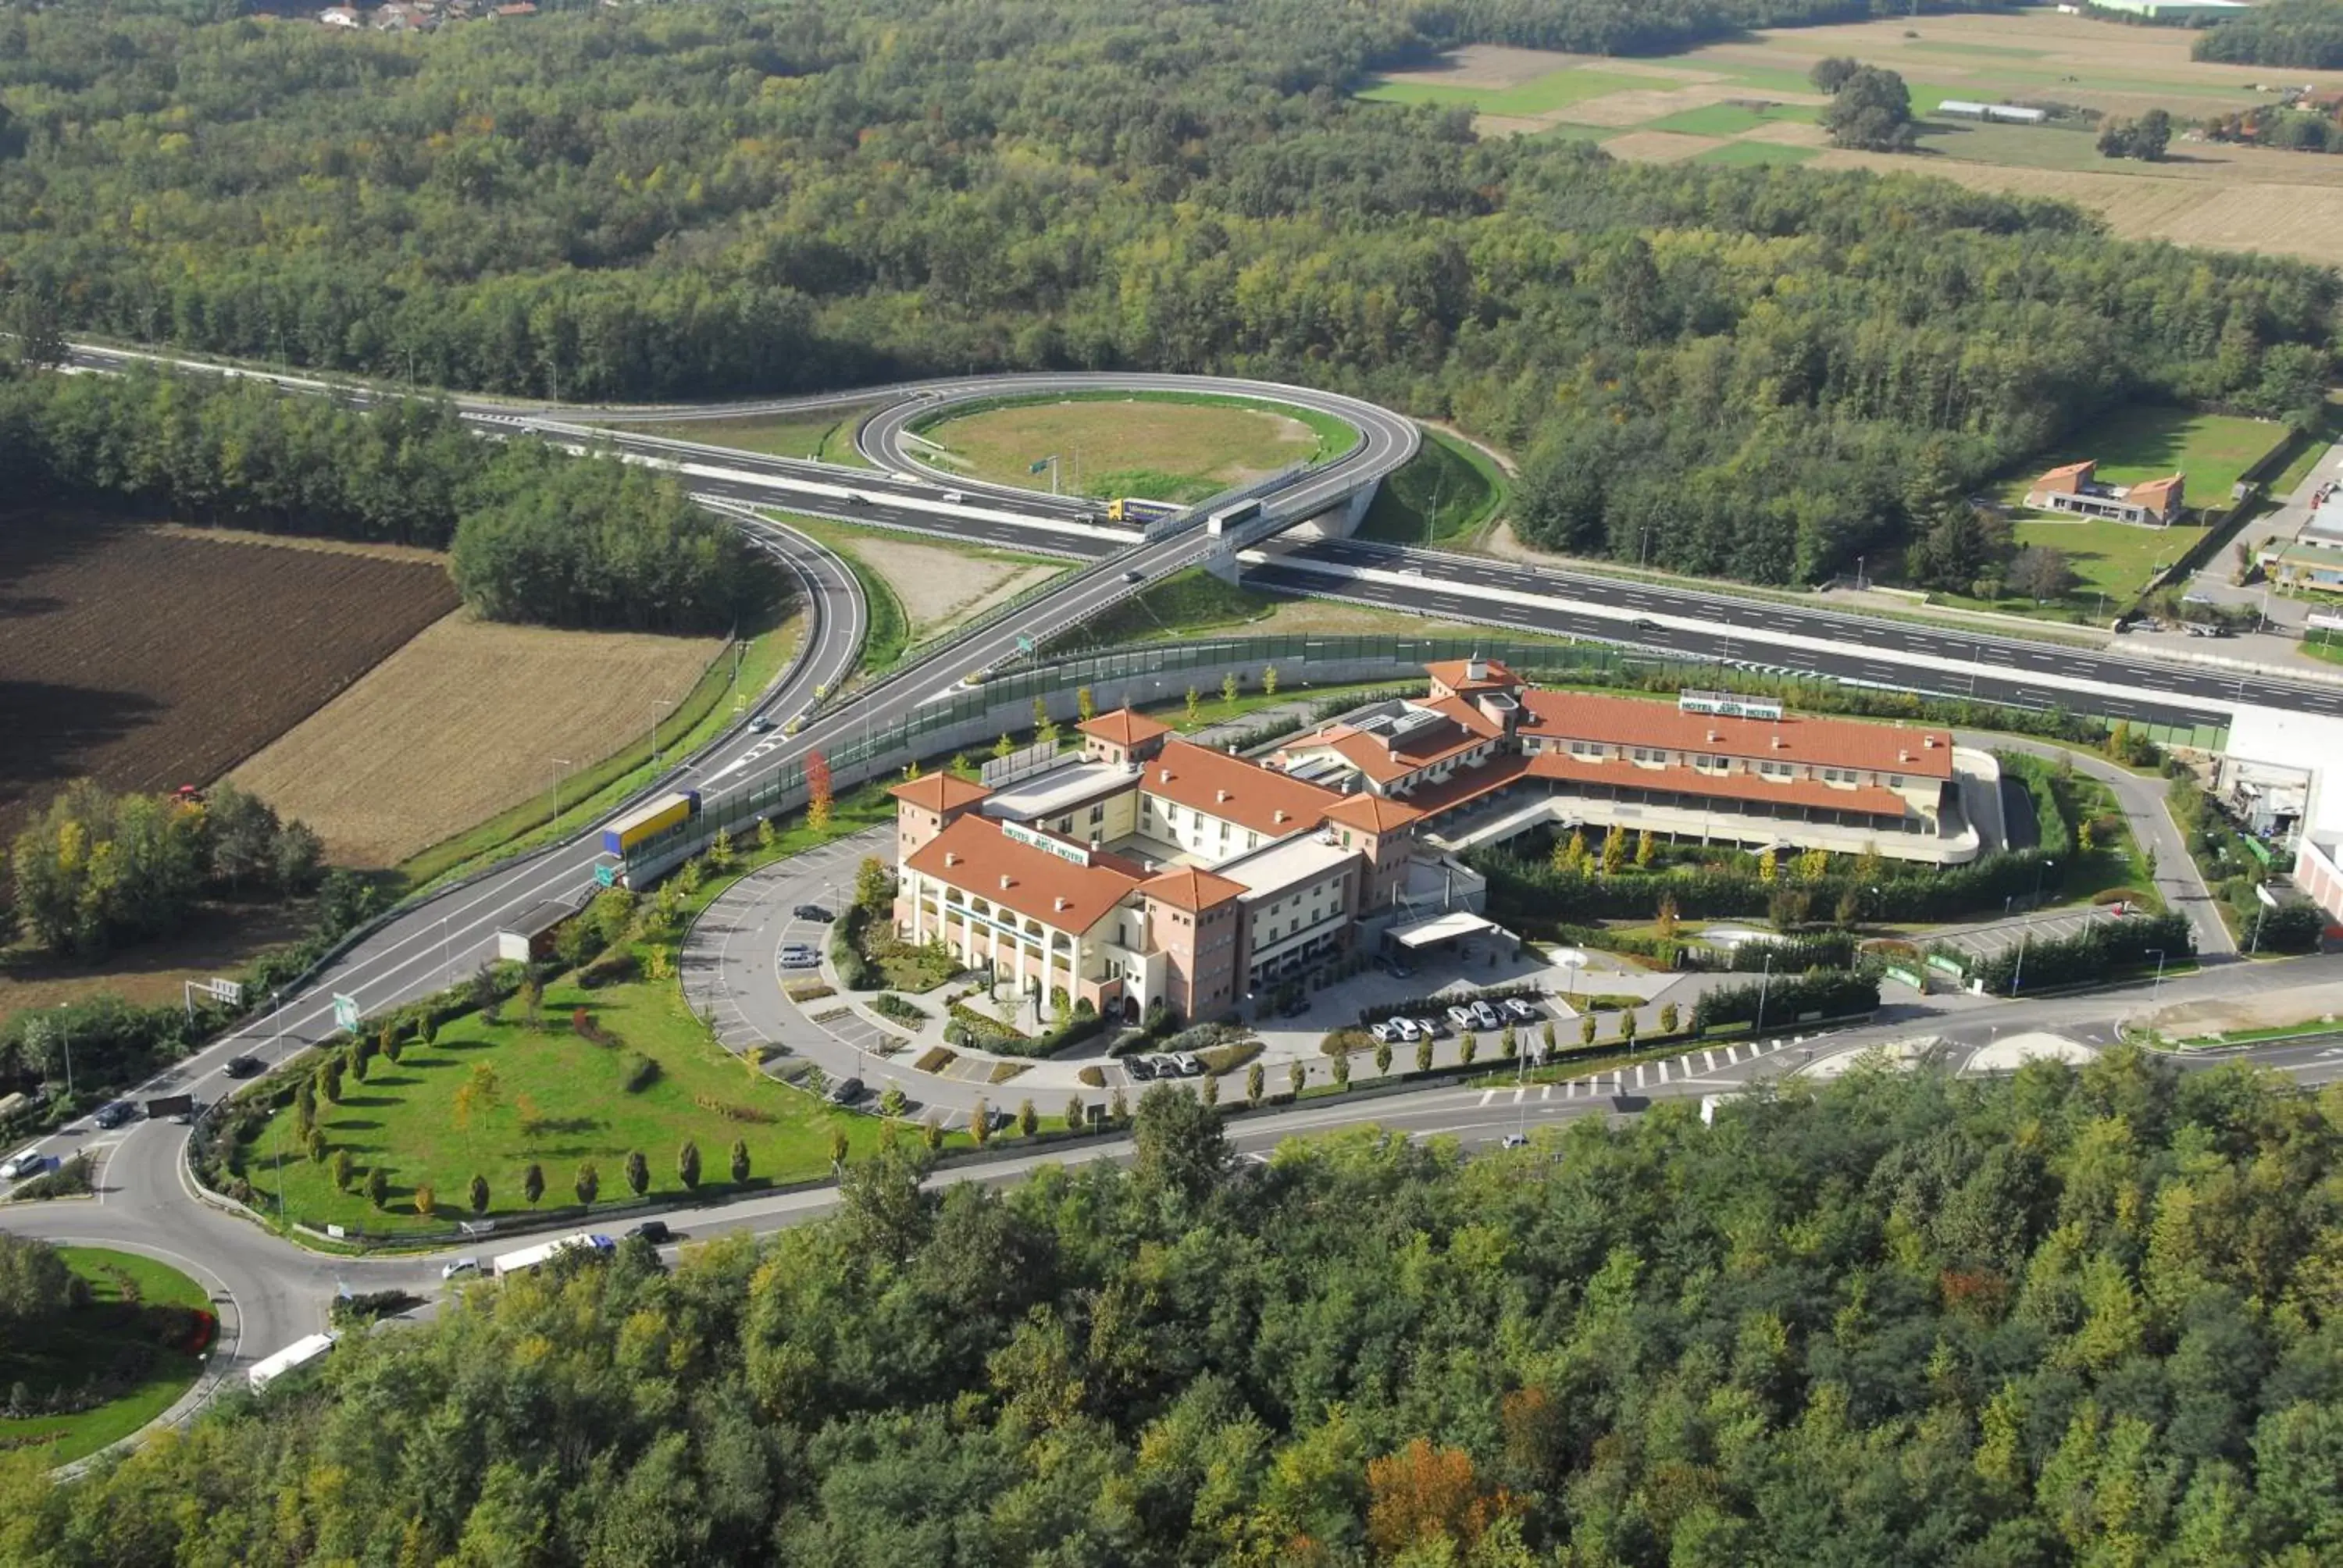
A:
x: 1764, y: 984
x: 558, y: 764
x: 2157, y: 990
x: 276, y: 1021
x: 2255, y: 946
x: 65, y: 1040
x: 656, y: 703
x: 2018, y: 975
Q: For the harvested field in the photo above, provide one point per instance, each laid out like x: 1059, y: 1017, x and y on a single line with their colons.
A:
x: 939, y: 585
x: 149, y: 658
x: 462, y: 722
x: 220, y: 939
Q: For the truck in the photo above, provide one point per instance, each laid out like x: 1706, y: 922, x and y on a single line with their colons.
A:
x: 1133, y: 509
x: 162, y: 1105
x: 299, y: 1354
x: 649, y: 819
x: 1234, y: 517
x: 529, y: 1258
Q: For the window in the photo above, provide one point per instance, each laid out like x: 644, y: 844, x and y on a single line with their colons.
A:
x: 1587, y: 748
x: 1896, y: 780
x: 1098, y: 813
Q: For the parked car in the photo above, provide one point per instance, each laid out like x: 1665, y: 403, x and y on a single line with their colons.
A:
x: 813, y: 913
x: 846, y: 1090
x: 1486, y: 1015
x: 655, y: 1232
x: 1431, y: 1028
x: 241, y: 1066
x: 113, y: 1114
x: 798, y: 956
x: 1141, y: 1070
x: 1190, y: 1065
x: 1396, y: 969
x: 1295, y: 1008
x: 1384, y: 1032
x: 1462, y: 1016
x: 1405, y: 1028
x: 1522, y: 1012
x: 457, y: 1266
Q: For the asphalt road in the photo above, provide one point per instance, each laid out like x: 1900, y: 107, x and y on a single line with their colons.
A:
x: 1766, y: 634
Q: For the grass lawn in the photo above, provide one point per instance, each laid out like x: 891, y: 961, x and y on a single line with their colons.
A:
x: 89, y: 1340
x: 1161, y: 447
x: 1182, y: 605
x: 1543, y: 95
x: 1753, y: 153
x: 2048, y: 146
x: 2148, y: 441
x: 828, y: 435
x: 1710, y: 120
x: 1446, y: 474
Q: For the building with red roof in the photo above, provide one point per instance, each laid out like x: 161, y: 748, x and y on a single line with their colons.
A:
x: 2076, y: 489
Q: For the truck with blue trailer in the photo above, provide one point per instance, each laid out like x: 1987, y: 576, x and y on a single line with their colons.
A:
x: 649, y: 821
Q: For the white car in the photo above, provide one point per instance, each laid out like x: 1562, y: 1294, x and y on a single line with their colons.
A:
x: 955, y: 496
x: 1462, y: 1016
x: 460, y: 1266
x: 1486, y: 1015
x: 1430, y: 1028
x: 1405, y: 1028
x: 1522, y: 1012
x: 1383, y: 1033
x: 797, y: 956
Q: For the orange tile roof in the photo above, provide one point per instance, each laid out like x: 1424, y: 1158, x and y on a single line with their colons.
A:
x: 1373, y: 814
x: 1124, y: 727
x: 2159, y: 495
x: 1821, y: 742
x: 939, y: 792
x: 1234, y: 790
x: 1192, y: 888
x: 989, y: 864
x: 1366, y: 752
x: 1472, y: 783
x: 2070, y: 477
x: 1451, y: 674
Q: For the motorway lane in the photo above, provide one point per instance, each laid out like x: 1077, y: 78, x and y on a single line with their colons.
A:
x: 1756, y: 623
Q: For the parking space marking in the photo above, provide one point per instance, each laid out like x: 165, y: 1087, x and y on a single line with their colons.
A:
x: 1709, y: 1057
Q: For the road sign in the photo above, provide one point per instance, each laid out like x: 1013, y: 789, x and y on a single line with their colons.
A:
x: 1039, y: 464
x: 606, y: 874
x: 1025, y: 644
x: 228, y: 991
x: 346, y: 1011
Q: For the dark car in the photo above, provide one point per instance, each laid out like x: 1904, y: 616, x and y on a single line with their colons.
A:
x: 846, y: 1090
x: 655, y: 1232
x: 241, y: 1066
x: 113, y: 1115
x: 1134, y: 576
x: 814, y: 912
x: 1294, y: 1007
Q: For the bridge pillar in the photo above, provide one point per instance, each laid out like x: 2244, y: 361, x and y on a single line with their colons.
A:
x: 1222, y: 563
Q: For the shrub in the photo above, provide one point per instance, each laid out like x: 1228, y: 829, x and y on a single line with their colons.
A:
x: 1828, y: 992
x: 641, y: 1073
x: 887, y: 1004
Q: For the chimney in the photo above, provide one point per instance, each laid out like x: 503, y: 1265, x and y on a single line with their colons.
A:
x: 1714, y: 738
x: 1059, y: 903
x: 1163, y: 776
x: 1779, y: 743
x: 1277, y: 816
x: 1007, y: 881
x: 1220, y: 795
x: 1476, y: 668
x: 950, y: 859
x: 1929, y: 741
x: 1903, y: 757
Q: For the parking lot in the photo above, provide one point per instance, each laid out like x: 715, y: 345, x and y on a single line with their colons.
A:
x: 1985, y: 941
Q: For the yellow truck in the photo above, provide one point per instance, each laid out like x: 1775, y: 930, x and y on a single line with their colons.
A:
x: 649, y: 818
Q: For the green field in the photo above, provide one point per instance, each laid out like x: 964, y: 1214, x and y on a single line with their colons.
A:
x: 1554, y: 90
x: 2149, y: 441
x: 1449, y: 490
x: 1732, y: 119
x: 1167, y: 446
x: 826, y: 434
x: 116, y: 1322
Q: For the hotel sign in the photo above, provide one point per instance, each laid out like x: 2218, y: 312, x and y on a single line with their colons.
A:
x: 1727, y: 705
x: 1031, y: 840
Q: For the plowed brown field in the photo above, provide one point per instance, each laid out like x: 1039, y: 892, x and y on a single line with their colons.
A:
x: 148, y: 658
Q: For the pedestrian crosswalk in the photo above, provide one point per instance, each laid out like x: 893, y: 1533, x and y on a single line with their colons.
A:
x: 1682, y: 1069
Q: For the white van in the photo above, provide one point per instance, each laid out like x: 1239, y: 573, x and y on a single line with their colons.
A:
x: 30, y: 1162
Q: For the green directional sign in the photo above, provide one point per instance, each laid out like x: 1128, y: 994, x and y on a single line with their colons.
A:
x: 606, y: 874
x: 1024, y: 645
x: 346, y: 1012
x: 1040, y: 464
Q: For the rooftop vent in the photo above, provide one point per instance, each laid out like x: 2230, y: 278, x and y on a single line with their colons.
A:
x: 1059, y: 903
x: 1779, y: 743
x: 1929, y: 741
x: 950, y: 858
x: 1163, y: 775
x: 1476, y: 668
x: 1277, y: 816
x: 1902, y: 756
x: 1220, y: 794
x: 1007, y: 881
x: 1714, y: 738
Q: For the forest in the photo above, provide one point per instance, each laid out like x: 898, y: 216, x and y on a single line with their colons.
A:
x: 2075, y: 1316
x: 2306, y: 33
x: 535, y: 535
x: 1720, y: 370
